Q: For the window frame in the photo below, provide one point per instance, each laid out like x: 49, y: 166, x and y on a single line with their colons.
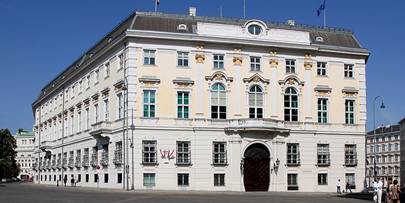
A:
x: 292, y: 181
x: 149, y: 57
x: 182, y: 59
x: 350, y: 155
x: 348, y: 71
x: 217, y: 159
x: 149, y: 113
x: 182, y: 114
x: 289, y: 99
x: 293, y: 159
x: 255, y: 63
x: 323, y: 155
x: 323, y: 179
x: 219, y: 179
x: 180, y: 159
x: 255, y: 107
x: 218, y: 63
x: 323, y: 110
x: 182, y: 181
x: 321, y: 69
x: 350, y: 111
x: 147, y: 179
x: 151, y: 159
x: 290, y: 65
x: 218, y: 93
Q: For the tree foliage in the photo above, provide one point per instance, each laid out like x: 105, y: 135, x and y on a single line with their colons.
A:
x: 8, y: 164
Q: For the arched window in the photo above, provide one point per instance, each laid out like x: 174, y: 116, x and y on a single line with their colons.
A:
x: 290, y: 105
x: 255, y: 102
x: 218, y: 101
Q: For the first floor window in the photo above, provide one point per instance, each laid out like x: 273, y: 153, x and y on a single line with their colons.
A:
x: 149, y: 103
x: 218, y: 101
x: 182, y: 179
x: 349, y: 111
x: 293, y: 154
x: 148, y: 179
x: 290, y: 104
x: 183, y: 153
x: 219, y: 153
x: 106, y: 110
x: 219, y: 179
x: 120, y: 106
x: 149, y: 152
x: 323, y: 154
x: 350, y: 155
x: 255, y: 102
x: 292, y: 181
x: 182, y: 104
x: 322, y: 110
x: 322, y: 179
x: 119, y: 178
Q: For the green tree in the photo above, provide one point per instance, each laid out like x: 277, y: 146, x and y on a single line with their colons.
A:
x: 8, y: 164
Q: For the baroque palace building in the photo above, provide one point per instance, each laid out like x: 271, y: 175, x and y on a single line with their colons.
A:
x: 25, y: 154
x: 185, y: 102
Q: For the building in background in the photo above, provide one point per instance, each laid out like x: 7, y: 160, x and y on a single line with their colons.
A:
x: 186, y: 102
x: 402, y: 148
x: 25, y: 154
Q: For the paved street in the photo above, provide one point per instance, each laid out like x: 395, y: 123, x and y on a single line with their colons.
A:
x: 27, y: 192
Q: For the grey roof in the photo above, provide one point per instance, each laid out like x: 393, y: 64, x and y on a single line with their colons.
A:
x: 385, y: 129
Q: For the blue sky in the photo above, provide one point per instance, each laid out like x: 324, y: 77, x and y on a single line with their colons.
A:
x: 38, y: 39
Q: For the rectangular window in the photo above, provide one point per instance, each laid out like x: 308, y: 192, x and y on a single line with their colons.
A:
x: 105, y: 177
x: 106, y: 110
x: 322, y: 179
x: 218, y: 61
x: 290, y: 66
x: 182, y: 104
x: 148, y: 179
x: 149, y: 103
x: 79, y: 178
x: 292, y: 181
x: 149, y: 57
x: 120, y: 106
x: 350, y: 178
x: 95, y: 178
x: 219, y: 153
x: 87, y: 119
x: 119, y: 178
x: 149, y: 152
x: 323, y: 154
x: 219, y: 179
x: 348, y: 71
x: 96, y: 76
x: 321, y: 68
x: 350, y: 155
x: 254, y: 63
x: 182, y: 179
x: 183, y: 153
x: 293, y: 154
x: 96, y: 113
x: 79, y: 119
x: 88, y: 82
x: 107, y: 70
x: 182, y: 59
x: 120, y: 61
x: 349, y: 111
x: 322, y: 110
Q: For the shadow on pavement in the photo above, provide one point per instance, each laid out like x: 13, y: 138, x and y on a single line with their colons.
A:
x: 363, y: 196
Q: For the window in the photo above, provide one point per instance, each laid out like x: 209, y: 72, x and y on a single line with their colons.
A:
x: 218, y: 61
x: 107, y: 70
x: 148, y: 179
x: 290, y: 66
x: 350, y: 178
x: 254, y: 63
x: 322, y: 110
x: 219, y: 179
x: 182, y: 59
x: 323, y: 155
x: 219, y: 153
x: 182, y: 104
x: 183, y: 153
x: 95, y: 178
x: 149, y: 57
x: 87, y: 119
x: 218, y: 101
x: 149, y: 152
x: 79, y: 119
x: 348, y: 71
x: 96, y: 76
x: 96, y: 113
x: 88, y: 82
x: 255, y: 102
x: 293, y: 154
x: 106, y: 110
x: 290, y: 105
x: 321, y: 68
x: 120, y: 106
x: 105, y: 177
x: 149, y: 103
x: 73, y: 90
x: 350, y: 155
x: 120, y: 61
x: 292, y: 181
x: 322, y: 179
x: 182, y: 179
x: 349, y: 111
x: 119, y: 178
x: 254, y: 29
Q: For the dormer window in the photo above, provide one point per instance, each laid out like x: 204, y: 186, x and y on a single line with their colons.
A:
x: 182, y: 27
x: 319, y: 39
x: 255, y: 29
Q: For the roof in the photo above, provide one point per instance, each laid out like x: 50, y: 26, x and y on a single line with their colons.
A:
x: 153, y: 21
x: 385, y: 129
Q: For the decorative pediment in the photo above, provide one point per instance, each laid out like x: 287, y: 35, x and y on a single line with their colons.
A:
x: 86, y: 101
x: 79, y: 105
x: 72, y: 109
x: 322, y: 90
x: 183, y: 82
x: 350, y: 91
x: 105, y: 91
x: 291, y: 80
x: 256, y: 78
x: 119, y: 85
x: 149, y: 80
x: 219, y: 75
x: 95, y: 96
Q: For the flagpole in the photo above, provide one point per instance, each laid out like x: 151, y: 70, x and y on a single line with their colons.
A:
x: 324, y: 15
x: 244, y: 9
x: 156, y: 5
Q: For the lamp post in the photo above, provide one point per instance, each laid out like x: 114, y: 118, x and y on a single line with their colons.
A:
x: 132, y: 148
x: 374, y: 131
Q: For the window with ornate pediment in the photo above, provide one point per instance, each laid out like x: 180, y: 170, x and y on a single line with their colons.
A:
x: 291, y: 104
x: 218, y: 101
x: 255, y: 102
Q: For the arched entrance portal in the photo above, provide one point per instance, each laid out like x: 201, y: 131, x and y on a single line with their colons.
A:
x: 256, y: 168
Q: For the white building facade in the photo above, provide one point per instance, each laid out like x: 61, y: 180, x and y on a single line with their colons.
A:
x: 201, y: 103
x: 25, y: 154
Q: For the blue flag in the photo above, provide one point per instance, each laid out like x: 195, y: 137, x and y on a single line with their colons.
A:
x: 321, y: 8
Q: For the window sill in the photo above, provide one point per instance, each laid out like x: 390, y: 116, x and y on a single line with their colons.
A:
x: 150, y: 65
x: 349, y: 165
x: 322, y: 165
x: 183, y: 67
x: 220, y: 165
x: 322, y: 76
x: 292, y: 187
x: 184, y: 165
x: 150, y: 164
x: 349, y: 78
x: 293, y: 165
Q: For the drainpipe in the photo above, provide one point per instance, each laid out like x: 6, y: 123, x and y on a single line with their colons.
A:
x: 63, y: 130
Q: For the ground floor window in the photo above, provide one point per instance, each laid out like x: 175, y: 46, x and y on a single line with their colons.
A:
x: 292, y: 181
x: 106, y: 178
x: 87, y: 178
x: 148, y: 179
x: 60, y: 177
x: 79, y: 178
x: 219, y: 179
x: 54, y: 177
x: 350, y: 178
x: 322, y: 179
x: 119, y: 178
x: 182, y: 179
x: 95, y: 178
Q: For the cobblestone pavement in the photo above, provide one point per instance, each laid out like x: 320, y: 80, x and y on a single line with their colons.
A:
x: 28, y: 192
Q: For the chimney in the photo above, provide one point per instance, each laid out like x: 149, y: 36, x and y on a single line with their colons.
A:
x: 192, y: 11
x: 291, y: 22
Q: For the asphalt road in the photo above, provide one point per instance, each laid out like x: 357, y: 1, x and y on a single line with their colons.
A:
x: 28, y: 192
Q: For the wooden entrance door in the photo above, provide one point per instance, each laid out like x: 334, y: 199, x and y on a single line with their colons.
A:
x: 256, y: 168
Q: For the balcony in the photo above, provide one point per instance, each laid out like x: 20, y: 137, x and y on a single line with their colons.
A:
x: 117, y: 157
x: 85, y: 162
x: 257, y: 125
x: 101, y: 129
x: 78, y: 162
x: 104, y: 158
x: 71, y: 163
x: 94, y: 160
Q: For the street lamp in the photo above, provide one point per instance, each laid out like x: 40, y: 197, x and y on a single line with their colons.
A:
x: 374, y: 131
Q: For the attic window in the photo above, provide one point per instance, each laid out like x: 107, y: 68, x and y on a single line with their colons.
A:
x: 182, y: 27
x: 319, y: 39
